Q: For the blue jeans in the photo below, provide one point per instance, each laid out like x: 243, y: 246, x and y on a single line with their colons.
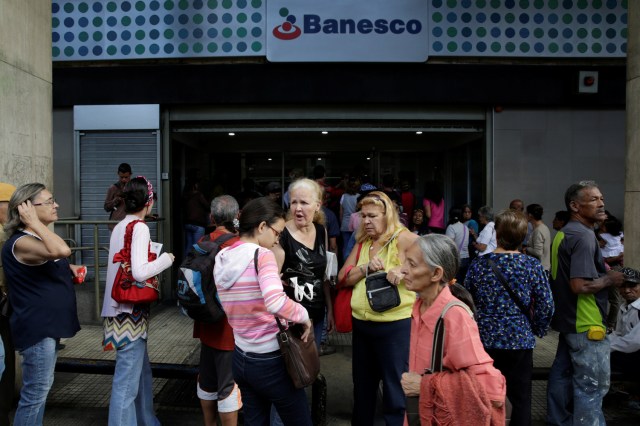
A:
x: 192, y: 234
x: 380, y: 352
x: 578, y: 380
x: 38, y: 365
x: 132, y: 389
x: 263, y: 381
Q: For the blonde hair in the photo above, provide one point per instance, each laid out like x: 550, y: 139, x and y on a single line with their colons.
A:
x: 315, y: 189
x: 392, y: 220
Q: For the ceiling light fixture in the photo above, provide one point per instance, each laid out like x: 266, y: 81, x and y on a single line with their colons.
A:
x: 231, y: 134
x: 324, y: 132
x: 419, y: 132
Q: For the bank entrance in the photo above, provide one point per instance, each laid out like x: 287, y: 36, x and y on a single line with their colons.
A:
x: 224, y: 148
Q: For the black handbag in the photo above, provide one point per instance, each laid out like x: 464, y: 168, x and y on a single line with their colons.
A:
x: 381, y: 294
x: 300, y: 358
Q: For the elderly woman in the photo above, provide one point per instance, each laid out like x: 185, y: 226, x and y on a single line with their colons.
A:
x: 215, y: 387
x: 506, y: 327
x: 429, y: 269
x: 125, y: 325
x: 380, y: 339
x: 303, y: 254
x: 41, y: 293
x: 485, y: 242
x: 251, y: 294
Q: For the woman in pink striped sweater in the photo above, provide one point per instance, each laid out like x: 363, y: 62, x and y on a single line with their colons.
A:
x: 251, y: 295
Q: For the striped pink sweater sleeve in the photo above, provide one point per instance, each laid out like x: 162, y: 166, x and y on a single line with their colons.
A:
x: 250, y: 305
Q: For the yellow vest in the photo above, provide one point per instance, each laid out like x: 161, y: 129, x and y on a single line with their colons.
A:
x: 359, y: 303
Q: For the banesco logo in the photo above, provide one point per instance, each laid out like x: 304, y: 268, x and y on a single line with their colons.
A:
x: 314, y: 24
x: 287, y: 30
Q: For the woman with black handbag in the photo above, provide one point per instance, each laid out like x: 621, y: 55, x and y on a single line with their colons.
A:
x: 514, y: 303
x: 126, y: 324
x: 249, y: 287
x: 380, y: 334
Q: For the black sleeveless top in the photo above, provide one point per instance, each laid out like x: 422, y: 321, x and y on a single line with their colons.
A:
x: 42, y: 296
x: 308, y: 265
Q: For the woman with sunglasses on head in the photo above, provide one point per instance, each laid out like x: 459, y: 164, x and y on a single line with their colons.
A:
x: 251, y: 295
x: 41, y: 294
x: 125, y: 325
x: 302, y: 251
x: 380, y: 339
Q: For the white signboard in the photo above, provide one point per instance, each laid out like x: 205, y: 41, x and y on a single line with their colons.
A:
x: 347, y: 30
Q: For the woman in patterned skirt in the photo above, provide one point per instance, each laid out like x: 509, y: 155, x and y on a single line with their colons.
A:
x: 125, y: 325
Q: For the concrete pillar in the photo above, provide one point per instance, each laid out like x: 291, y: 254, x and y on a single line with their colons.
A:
x: 25, y: 92
x: 632, y: 174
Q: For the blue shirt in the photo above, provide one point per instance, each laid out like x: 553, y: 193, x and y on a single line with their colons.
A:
x: 501, y: 323
x: 42, y: 297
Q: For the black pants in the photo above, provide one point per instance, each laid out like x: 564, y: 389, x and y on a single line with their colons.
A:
x: 516, y: 365
x: 7, y: 383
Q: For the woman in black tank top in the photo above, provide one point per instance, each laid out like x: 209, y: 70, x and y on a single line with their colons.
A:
x: 303, y: 243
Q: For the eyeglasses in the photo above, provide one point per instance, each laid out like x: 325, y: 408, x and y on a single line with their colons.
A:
x: 276, y: 233
x: 49, y: 202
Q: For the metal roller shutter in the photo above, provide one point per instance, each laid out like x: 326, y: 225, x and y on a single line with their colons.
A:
x: 100, y: 155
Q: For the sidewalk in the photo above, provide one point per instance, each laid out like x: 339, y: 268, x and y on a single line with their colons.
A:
x: 83, y: 399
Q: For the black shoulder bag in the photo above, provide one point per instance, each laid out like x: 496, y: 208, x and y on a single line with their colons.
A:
x: 381, y: 294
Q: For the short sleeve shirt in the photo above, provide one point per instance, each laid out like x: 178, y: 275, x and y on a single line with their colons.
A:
x: 578, y: 256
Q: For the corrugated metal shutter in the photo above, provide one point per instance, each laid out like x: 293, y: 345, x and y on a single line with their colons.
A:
x: 100, y: 155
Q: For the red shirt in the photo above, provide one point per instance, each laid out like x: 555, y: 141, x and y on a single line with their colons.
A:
x: 219, y: 335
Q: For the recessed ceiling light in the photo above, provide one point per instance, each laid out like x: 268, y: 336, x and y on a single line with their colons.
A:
x: 319, y: 158
x: 231, y: 134
x: 324, y: 132
x: 368, y: 158
x: 418, y: 132
x: 269, y: 159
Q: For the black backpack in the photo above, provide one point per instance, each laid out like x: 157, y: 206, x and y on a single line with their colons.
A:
x: 197, y: 293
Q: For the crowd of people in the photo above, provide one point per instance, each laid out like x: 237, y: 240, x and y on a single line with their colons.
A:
x: 456, y: 346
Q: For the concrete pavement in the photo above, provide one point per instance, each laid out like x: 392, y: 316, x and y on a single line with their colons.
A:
x: 83, y: 399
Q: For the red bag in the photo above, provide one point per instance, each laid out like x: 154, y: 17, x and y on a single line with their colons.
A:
x: 125, y: 288
x: 342, y: 303
x: 342, y: 310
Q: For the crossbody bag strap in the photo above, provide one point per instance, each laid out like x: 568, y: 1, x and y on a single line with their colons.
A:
x: 326, y: 240
x: 512, y: 294
x: 393, y: 237
x: 255, y: 265
x: 437, y: 352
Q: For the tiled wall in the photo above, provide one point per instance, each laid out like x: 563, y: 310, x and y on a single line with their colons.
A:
x: 130, y: 29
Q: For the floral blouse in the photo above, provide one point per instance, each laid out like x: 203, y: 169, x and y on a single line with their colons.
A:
x: 501, y: 323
